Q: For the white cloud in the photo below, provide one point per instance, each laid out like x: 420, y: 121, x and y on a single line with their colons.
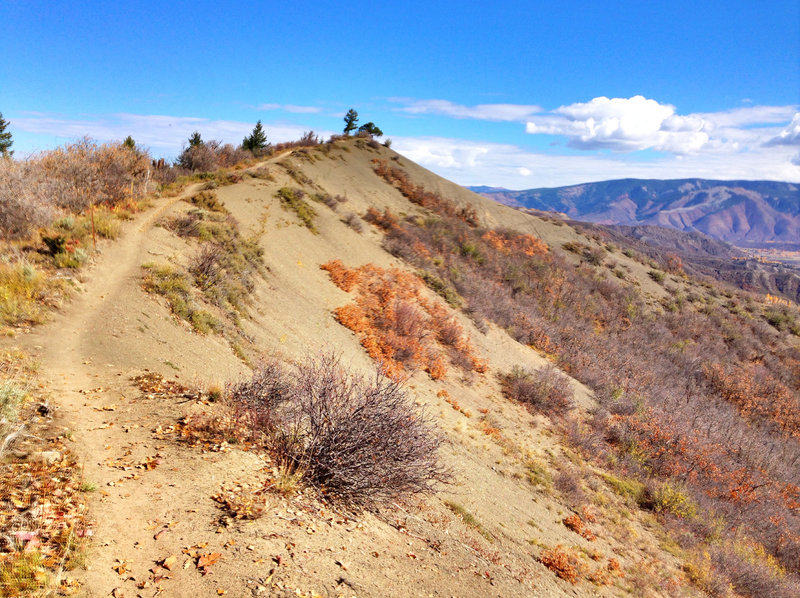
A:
x: 790, y: 135
x: 750, y: 115
x: 493, y: 112
x: 638, y: 123
x: 159, y: 132
x: 624, y: 124
x: 505, y: 165
x: 294, y: 109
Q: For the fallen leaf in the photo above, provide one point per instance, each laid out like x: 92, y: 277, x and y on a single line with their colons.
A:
x: 169, y: 562
x: 206, y: 560
x: 159, y: 533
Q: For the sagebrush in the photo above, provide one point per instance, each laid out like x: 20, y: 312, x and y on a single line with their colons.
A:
x: 360, y: 440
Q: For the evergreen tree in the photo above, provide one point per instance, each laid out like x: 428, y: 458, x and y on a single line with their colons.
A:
x: 371, y: 128
x: 350, y: 121
x: 257, y: 140
x: 129, y: 143
x: 5, y: 138
x: 195, y: 140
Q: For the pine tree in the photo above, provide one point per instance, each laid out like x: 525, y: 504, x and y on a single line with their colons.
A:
x: 195, y: 140
x: 371, y: 128
x: 257, y: 140
x: 129, y: 143
x: 350, y: 121
x: 5, y: 138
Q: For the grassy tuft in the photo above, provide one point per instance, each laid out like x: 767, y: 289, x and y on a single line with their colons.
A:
x: 292, y: 199
x: 25, y: 293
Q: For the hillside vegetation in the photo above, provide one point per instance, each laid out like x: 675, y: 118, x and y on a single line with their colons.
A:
x: 330, y: 372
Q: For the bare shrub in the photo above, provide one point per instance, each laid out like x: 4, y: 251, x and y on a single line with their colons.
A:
x: 205, y: 265
x: 361, y: 441
x: 327, y: 199
x: 23, y: 206
x: 568, y: 483
x: 353, y: 221
x: 309, y: 139
x: 200, y: 158
x: 546, y: 390
x: 256, y: 401
x: 73, y: 177
x: 753, y: 577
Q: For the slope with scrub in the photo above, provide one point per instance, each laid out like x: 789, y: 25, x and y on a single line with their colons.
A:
x: 190, y: 501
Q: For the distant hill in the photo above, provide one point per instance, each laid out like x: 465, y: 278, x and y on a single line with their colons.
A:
x: 744, y: 213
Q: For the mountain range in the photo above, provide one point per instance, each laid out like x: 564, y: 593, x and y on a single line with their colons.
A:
x: 743, y: 213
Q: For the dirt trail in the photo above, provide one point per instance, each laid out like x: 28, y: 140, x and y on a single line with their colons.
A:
x: 143, y: 486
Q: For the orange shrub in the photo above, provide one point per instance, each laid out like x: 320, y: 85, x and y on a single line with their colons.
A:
x: 418, y: 195
x: 563, y: 563
x: 342, y: 277
x: 577, y: 525
x: 394, y: 321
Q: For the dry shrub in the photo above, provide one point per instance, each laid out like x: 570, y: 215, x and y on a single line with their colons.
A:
x: 752, y: 574
x: 211, y: 155
x: 24, y: 204
x: 417, y: 194
x: 361, y: 441
x: 564, y: 563
x: 546, y: 390
x: 577, y: 525
x: 397, y: 326
x: 568, y: 483
x: 352, y: 220
x: 73, y: 177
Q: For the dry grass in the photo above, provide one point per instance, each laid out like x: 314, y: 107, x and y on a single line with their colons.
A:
x: 27, y: 293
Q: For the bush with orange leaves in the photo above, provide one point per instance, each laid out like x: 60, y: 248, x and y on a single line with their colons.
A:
x: 563, y: 563
x: 577, y: 525
x: 417, y: 194
x: 397, y: 325
x: 508, y: 242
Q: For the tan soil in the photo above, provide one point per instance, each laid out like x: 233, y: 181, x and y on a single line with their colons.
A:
x: 112, y: 330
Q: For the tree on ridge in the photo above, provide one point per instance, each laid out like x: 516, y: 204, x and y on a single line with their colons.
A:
x: 350, y: 121
x: 256, y: 141
x: 5, y: 138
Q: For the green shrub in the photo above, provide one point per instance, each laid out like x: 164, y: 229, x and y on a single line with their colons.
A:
x: 674, y: 499
x: 207, y: 200
x: 292, y: 199
x: 441, y: 288
x: 175, y: 286
x: 630, y: 489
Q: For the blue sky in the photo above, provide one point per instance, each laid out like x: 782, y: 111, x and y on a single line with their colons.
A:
x: 515, y: 94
